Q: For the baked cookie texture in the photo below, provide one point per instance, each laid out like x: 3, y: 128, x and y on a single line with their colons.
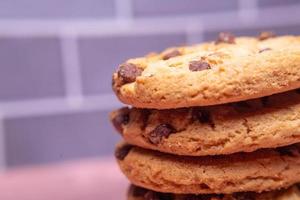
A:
x: 228, y: 70
x: 138, y: 193
x: 262, y: 170
x: 246, y: 126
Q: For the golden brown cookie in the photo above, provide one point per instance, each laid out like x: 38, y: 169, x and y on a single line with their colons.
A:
x: 262, y: 170
x: 138, y: 193
x: 228, y: 70
x: 223, y: 129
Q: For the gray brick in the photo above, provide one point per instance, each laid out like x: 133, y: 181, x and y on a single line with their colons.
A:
x: 143, y: 8
x: 283, y: 30
x: 52, y: 138
x: 56, y: 8
x: 100, y: 56
x: 269, y: 3
x: 30, y: 68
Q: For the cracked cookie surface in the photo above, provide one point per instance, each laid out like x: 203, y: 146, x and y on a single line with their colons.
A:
x: 138, y: 193
x: 223, y: 129
x: 228, y: 70
x: 262, y: 170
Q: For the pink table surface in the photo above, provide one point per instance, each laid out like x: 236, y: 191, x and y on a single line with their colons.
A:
x: 78, y: 180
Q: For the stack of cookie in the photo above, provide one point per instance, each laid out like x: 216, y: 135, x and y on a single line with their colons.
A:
x: 219, y: 120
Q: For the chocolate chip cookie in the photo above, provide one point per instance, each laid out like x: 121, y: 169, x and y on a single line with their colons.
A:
x: 245, y: 126
x: 227, y: 70
x: 138, y: 193
x: 262, y: 170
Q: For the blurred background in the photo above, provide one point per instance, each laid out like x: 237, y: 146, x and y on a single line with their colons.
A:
x: 57, y: 58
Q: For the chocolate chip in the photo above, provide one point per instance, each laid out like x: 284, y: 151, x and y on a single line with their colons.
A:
x: 264, y: 49
x: 160, y: 132
x: 128, y: 72
x: 199, y: 65
x: 123, y: 151
x: 298, y: 91
x: 266, y: 35
x: 171, y: 54
x: 121, y: 119
x: 225, y: 37
x: 203, y: 116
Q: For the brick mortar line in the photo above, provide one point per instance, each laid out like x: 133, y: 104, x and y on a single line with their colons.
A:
x: 194, y: 34
x: 71, y: 69
x: 48, y: 106
x: 141, y: 25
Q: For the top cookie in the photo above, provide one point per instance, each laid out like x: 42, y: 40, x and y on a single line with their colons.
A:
x: 228, y: 70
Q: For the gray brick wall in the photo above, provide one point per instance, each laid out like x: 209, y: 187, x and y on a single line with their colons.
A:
x: 57, y: 57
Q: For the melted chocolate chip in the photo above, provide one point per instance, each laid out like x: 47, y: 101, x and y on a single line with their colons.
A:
x: 121, y: 119
x: 225, y: 37
x: 264, y: 49
x: 128, y: 72
x: 199, y: 66
x: 266, y: 35
x: 203, y: 116
x: 171, y: 54
x: 122, y: 152
x: 160, y: 132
